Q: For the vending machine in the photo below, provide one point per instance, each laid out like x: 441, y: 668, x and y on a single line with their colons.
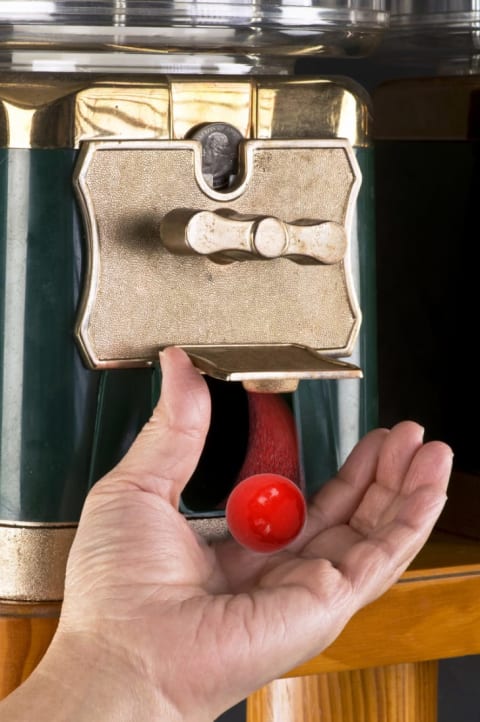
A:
x: 166, y: 178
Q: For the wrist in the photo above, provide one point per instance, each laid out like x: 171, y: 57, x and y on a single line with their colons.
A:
x: 79, y: 680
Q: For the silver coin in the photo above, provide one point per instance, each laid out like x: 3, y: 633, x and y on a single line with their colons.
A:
x: 219, y: 152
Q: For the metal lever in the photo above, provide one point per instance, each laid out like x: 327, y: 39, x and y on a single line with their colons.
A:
x: 226, y: 236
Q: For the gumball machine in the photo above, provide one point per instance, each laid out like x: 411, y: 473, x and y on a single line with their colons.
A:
x: 167, y: 179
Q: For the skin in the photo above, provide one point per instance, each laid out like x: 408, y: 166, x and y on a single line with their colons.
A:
x: 156, y: 624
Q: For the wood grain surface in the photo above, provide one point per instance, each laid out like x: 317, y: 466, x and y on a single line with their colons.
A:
x: 397, y: 693
x: 25, y: 634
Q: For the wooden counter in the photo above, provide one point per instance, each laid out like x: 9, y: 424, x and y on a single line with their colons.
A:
x: 433, y: 612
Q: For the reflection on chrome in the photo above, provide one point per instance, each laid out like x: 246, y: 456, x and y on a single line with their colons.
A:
x: 198, y: 12
x: 441, y: 35
x: 242, y: 28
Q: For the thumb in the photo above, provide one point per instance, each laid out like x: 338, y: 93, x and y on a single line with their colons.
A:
x: 166, y: 452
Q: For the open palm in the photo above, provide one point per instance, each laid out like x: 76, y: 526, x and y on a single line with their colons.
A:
x: 208, y: 624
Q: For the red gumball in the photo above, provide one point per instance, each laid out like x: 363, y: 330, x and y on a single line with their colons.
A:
x: 266, y: 512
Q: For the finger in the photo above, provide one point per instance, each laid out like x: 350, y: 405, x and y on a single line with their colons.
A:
x: 397, y: 453
x: 166, y: 452
x: 431, y: 467
x: 390, y: 451
x: 336, y: 501
x: 376, y: 561
x: 400, y: 471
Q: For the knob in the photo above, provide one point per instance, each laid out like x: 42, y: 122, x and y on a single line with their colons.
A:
x: 224, y: 235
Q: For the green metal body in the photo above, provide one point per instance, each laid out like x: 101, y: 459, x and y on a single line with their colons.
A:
x: 62, y: 425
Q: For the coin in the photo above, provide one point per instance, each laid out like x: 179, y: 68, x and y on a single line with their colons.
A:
x: 220, y: 143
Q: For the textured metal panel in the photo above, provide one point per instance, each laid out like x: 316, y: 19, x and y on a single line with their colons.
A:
x: 33, y: 561
x: 142, y: 297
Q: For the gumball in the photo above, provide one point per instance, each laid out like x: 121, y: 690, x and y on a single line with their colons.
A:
x: 266, y: 512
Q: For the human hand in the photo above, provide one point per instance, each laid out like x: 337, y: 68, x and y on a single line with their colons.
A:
x: 185, y: 629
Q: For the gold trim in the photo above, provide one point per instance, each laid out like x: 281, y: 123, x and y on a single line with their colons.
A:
x: 43, y: 110
x: 34, y: 610
x: 428, y: 109
x: 220, y: 100
x: 313, y: 108
x: 38, y: 524
x: 123, y: 110
x: 56, y: 111
x: 33, y: 560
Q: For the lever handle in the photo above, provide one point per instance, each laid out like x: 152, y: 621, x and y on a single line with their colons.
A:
x: 228, y: 236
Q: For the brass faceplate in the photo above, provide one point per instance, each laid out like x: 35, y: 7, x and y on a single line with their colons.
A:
x: 140, y: 296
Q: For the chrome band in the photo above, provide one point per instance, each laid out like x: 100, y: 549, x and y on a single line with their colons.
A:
x: 33, y: 560
x: 212, y: 529
x: 33, y: 557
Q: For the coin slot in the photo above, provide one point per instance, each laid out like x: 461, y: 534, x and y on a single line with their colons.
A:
x: 220, y: 153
